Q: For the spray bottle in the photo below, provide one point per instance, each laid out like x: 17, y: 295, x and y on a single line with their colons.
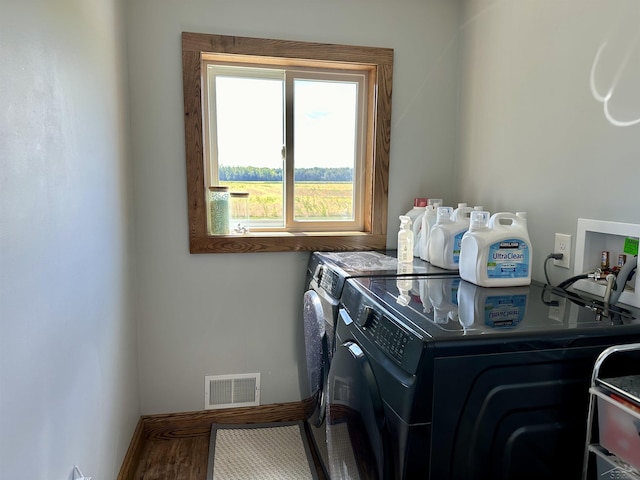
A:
x: 405, y: 240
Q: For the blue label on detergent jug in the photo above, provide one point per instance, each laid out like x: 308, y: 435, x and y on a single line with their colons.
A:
x: 508, y: 259
x: 504, y: 311
x: 457, y: 245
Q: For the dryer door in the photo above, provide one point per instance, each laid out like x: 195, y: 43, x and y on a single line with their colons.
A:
x: 316, y: 353
x: 356, y: 430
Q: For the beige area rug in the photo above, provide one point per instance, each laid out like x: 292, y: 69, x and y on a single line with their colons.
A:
x: 273, y: 451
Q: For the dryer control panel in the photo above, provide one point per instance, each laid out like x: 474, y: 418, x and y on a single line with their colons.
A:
x: 330, y: 281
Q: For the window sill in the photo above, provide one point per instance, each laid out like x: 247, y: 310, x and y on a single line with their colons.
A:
x: 254, y: 242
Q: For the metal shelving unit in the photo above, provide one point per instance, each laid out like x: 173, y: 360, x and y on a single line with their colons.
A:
x: 612, y: 449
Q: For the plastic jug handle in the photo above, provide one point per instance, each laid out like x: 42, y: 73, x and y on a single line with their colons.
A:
x: 495, y: 220
x: 462, y: 213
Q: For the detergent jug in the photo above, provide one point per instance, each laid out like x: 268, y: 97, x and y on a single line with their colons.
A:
x: 428, y: 221
x: 446, y: 236
x: 496, y: 253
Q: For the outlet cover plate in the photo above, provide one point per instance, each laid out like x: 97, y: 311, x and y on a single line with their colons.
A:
x: 563, y: 245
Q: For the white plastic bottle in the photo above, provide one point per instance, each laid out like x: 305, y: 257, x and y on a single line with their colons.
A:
x: 416, y: 214
x: 405, y: 240
x: 417, y: 234
x: 428, y: 220
x: 446, y: 236
x: 419, y: 204
x: 436, y: 236
x: 498, y: 254
x: 469, y: 247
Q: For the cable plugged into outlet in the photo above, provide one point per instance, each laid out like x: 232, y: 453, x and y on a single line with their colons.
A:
x: 562, y: 246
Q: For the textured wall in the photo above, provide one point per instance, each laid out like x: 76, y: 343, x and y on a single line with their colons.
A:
x: 534, y: 132
x: 68, y: 365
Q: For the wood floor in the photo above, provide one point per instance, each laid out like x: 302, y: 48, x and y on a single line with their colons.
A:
x: 174, y: 458
x: 176, y: 447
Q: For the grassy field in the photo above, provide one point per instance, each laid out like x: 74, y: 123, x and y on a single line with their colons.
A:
x: 313, y: 200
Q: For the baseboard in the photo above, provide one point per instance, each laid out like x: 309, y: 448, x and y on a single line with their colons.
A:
x: 134, y: 453
x: 193, y: 424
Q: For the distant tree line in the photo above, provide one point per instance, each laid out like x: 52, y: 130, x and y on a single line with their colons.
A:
x: 262, y: 174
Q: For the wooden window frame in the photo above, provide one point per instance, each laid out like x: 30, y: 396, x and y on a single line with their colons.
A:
x: 373, y: 236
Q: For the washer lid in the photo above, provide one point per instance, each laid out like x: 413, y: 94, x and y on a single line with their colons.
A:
x: 371, y: 263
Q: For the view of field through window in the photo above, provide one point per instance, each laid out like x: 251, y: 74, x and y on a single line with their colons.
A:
x: 314, y: 200
x: 250, y: 136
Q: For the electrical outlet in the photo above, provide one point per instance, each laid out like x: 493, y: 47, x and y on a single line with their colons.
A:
x: 563, y: 245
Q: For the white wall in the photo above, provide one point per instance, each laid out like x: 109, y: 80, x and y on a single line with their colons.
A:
x: 240, y: 313
x: 68, y: 377
x: 533, y: 136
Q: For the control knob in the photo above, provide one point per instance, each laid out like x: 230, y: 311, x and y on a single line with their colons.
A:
x: 366, y: 316
x: 319, y: 273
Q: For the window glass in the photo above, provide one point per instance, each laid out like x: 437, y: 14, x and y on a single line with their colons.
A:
x: 247, y: 146
x: 296, y: 181
x: 325, y: 129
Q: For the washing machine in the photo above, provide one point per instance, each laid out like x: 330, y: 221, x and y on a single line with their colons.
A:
x: 327, y: 273
x: 490, y: 383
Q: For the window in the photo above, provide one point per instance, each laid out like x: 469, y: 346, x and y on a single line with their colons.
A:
x: 293, y: 139
x: 302, y: 127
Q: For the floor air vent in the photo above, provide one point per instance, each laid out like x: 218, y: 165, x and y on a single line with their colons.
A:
x: 225, y: 391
